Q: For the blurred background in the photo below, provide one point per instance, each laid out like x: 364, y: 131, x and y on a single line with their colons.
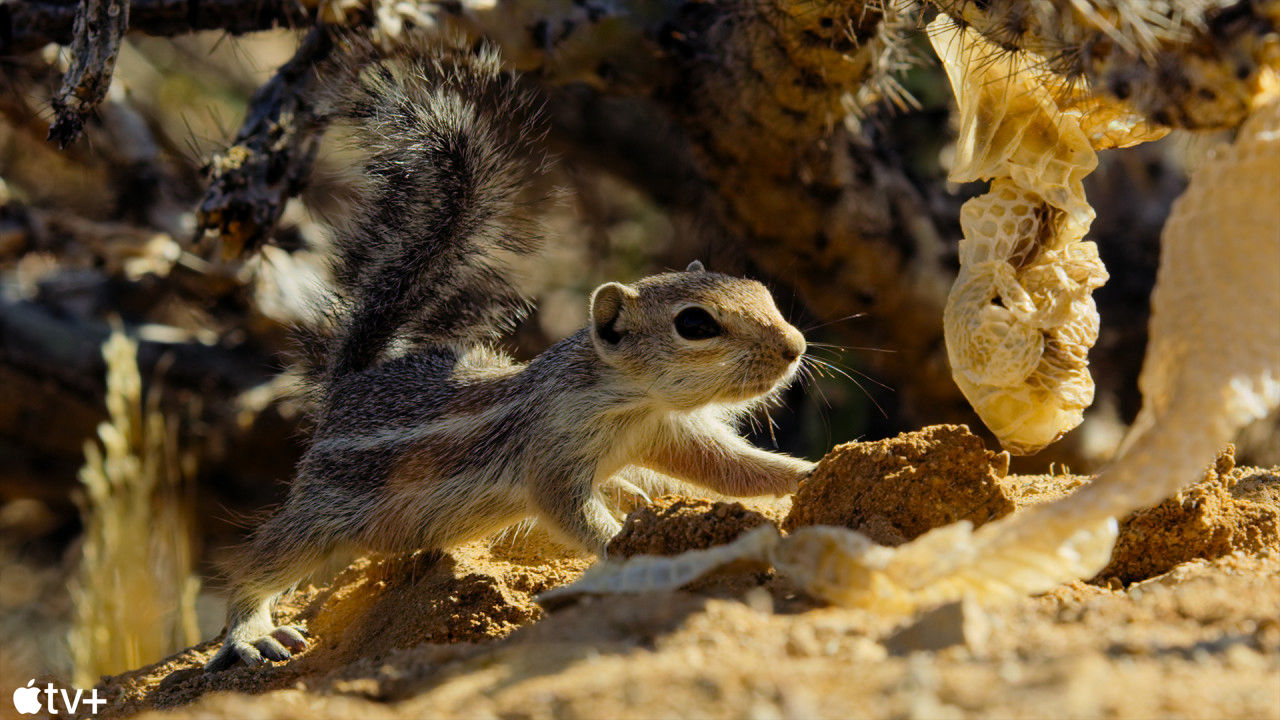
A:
x: 146, y: 411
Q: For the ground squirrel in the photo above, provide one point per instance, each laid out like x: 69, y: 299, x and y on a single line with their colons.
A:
x: 426, y: 436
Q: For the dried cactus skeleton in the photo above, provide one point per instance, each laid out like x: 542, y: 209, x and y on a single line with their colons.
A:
x: 1023, y: 361
x: 847, y: 568
x: 1212, y: 363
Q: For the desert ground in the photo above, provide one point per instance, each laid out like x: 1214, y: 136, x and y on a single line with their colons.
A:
x: 1182, y: 623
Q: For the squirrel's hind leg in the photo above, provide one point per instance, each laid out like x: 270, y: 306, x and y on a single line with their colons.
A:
x: 283, y: 551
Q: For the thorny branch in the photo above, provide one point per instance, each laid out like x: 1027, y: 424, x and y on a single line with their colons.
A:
x: 1187, y: 65
x: 250, y: 182
x: 27, y: 25
x: 100, y: 26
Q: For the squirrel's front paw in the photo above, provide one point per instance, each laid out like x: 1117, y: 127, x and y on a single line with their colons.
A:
x: 279, y: 644
x: 804, y: 471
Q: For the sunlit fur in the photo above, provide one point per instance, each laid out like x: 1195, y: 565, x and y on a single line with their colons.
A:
x: 451, y: 440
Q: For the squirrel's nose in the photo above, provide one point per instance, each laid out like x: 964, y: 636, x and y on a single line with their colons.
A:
x: 793, y: 344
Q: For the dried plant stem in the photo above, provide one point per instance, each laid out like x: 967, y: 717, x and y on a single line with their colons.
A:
x: 134, y: 592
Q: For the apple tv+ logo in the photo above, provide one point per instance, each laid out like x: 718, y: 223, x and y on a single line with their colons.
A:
x: 26, y: 700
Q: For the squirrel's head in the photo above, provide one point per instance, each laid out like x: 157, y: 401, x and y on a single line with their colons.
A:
x: 694, y: 338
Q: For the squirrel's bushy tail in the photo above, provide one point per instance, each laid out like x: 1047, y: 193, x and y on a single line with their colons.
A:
x: 451, y: 146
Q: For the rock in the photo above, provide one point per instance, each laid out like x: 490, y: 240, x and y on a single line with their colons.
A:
x: 956, y: 623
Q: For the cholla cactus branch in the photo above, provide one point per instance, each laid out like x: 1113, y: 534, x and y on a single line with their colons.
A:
x: 100, y: 26
x: 1020, y: 319
x: 270, y: 159
x: 1193, y: 64
x: 31, y: 24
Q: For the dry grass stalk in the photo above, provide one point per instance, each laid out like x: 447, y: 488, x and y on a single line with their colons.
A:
x: 134, y: 593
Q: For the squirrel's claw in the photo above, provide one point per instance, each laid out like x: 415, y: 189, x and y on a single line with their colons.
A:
x: 278, y: 645
x: 272, y: 649
x: 230, y: 652
x: 291, y: 636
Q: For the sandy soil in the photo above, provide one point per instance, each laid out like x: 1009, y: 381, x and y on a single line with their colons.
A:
x: 1183, y: 622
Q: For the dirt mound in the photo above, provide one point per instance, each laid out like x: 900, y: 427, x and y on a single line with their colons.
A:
x: 1208, y: 520
x: 371, y: 609
x: 673, y: 524
x: 1028, y: 490
x: 896, y: 490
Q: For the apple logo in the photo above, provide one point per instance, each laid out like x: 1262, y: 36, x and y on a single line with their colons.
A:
x: 26, y: 700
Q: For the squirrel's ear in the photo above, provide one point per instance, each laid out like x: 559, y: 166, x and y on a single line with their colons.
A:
x: 606, y: 308
x: 695, y: 266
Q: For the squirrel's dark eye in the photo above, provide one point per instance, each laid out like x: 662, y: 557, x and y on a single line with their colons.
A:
x: 694, y: 323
